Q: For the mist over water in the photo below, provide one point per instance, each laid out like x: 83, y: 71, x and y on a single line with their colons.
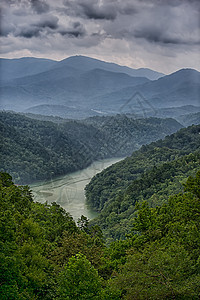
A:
x: 68, y: 190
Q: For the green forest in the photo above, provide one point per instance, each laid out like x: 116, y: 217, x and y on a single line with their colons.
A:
x: 34, y: 150
x: 145, y: 242
x: 45, y: 255
x: 151, y: 174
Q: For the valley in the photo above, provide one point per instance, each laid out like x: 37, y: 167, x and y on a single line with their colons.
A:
x: 99, y: 181
x: 68, y: 191
x: 151, y: 174
x: 34, y: 150
x: 100, y: 150
x: 60, y: 117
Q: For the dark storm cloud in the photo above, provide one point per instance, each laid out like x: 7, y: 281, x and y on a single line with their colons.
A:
x: 76, y: 30
x: 170, y: 2
x: 28, y: 32
x: 34, y: 30
x: 72, y: 33
x: 127, y: 9
x: 170, y: 23
x: 48, y: 21
x: 99, y: 10
x: 156, y: 36
x: 5, y: 29
x: 40, y: 6
x: 165, y: 23
x: 133, y: 32
x: 48, y: 25
x: 91, y: 9
x: 128, y: 19
x: 102, y: 13
x: 110, y: 9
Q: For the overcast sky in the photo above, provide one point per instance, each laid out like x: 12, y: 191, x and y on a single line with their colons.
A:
x: 163, y: 35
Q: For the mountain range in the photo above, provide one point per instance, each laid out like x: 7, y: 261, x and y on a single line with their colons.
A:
x: 80, y: 87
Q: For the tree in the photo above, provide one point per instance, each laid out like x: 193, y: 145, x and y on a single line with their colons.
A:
x: 83, y: 223
x: 79, y: 280
x: 193, y: 185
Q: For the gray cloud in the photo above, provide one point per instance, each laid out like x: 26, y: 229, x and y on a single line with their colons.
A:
x: 28, y: 32
x: 99, y: 10
x: 167, y: 23
x: 91, y: 9
x: 170, y: 2
x: 47, y: 24
x: 5, y: 29
x: 174, y: 24
x: 49, y: 21
x: 8, y: 2
x: 111, y: 9
x: 76, y: 30
x: 40, y: 6
x: 158, y: 36
x: 133, y: 32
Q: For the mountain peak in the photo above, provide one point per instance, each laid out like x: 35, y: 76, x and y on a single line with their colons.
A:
x: 88, y: 63
x: 187, y: 74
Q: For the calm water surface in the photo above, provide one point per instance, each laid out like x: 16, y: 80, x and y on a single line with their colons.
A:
x: 68, y: 190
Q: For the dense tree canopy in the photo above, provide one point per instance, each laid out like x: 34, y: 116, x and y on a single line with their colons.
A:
x: 33, y: 150
x: 149, y: 206
x: 32, y: 236
x: 152, y: 173
x: 44, y: 255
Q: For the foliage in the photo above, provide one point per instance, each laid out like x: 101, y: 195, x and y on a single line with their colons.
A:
x: 163, y: 261
x: 44, y: 255
x: 79, y: 280
x: 33, y: 150
x: 29, y: 234
x: 152, y: 173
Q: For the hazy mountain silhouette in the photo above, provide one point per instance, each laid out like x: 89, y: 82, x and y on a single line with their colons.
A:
x: 78, y: 87
x: 15, y: 68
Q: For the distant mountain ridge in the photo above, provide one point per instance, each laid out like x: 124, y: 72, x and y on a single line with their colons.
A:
x: 26, y: 66
x: 87, y: 87
x: 88, y: 63
x: 174, y: 90
x: 63, y: 84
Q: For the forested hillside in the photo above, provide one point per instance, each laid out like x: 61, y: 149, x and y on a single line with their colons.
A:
x: 34, y: 150
x: 152, y: 173
x: 44, y: 255
x: 189, y: 119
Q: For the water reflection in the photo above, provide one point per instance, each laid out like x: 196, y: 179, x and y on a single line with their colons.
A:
x: 68, y: 190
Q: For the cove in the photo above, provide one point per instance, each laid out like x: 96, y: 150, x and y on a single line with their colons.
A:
x: 68, y: 190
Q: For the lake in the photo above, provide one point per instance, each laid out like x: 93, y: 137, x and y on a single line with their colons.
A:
x: 68, y: 190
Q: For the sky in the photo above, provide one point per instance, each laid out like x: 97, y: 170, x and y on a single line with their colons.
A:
x: 163, y: 35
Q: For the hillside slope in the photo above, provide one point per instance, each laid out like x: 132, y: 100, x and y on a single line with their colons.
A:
x: 115, y: 191
x: 36, y: 150
x: 45, y: 255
